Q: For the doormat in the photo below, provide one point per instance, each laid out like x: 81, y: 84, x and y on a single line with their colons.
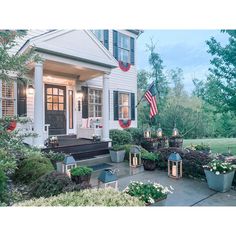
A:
x: 100, y: 166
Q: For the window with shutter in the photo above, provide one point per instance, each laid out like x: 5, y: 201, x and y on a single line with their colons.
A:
x: 132, y: 55
x: 8, y: 100
x: 115, y: 44
x: 115, y: 107
x: 102, y: 36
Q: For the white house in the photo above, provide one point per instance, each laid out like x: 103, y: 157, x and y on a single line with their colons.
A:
x: 86, y: 84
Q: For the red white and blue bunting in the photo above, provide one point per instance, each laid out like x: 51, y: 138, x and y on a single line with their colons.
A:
x: 124, y: 123
x: 124, y: 66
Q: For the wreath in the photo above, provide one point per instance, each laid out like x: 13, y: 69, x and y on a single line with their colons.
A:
x: 125, y: 66
x: 124, y: 123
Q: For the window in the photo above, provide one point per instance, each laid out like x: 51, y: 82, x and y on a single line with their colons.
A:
x: 99, y: 34
x: 55, y: 99
x: 123, y: 48
x: 95, y: 103
x: 8, y: 101
x: 70, y: 109
x: 124, y: 106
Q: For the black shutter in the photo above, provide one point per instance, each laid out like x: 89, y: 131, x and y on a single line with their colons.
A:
x: 85, y: 102
x: 115, y: 107
x: 132, y: 106
x: 106, y: 38
x: 115, y: 44
x: 132, y: 56
x: 21, y: 99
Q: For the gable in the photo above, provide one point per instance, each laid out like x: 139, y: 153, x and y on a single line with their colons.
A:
x: 80, y: 44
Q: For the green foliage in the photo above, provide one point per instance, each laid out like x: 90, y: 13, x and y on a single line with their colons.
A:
x: 219, y: 88
x: 3, y: 187
x: 7, y: 162
x: 55, y: 157
x: 90, y: 197
x: 118, y: 147
x: 120, y: 137
x: 14, y: 63
x: 50, y: 184
x: 137, y: 135
x: 150, y: 156
x: 30, y: 169
x: 202, y: 147
x: 147, y: 192
x: 81, y: 171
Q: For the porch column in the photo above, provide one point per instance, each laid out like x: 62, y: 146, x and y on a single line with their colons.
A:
x: 105, y: 108
x: 38, y: 105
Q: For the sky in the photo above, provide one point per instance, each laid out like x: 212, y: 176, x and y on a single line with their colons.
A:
x: 185, y: 49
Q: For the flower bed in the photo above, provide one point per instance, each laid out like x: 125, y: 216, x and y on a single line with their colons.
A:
x: 219, y: 167
x: 148, y: 192
x: 90, y: 197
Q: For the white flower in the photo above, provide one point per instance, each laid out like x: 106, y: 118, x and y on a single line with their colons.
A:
x: 217, y: 172
x: 224, y: 171
x: 214, y: 168
x: 171, y: 187
x: 151, y: 200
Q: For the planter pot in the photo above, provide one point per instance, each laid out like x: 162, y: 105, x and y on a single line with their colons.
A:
x: 82, y: 179
x: 117, y: 156
x: 221, y: 183
x: 161, y: 200
x: 149, y: 164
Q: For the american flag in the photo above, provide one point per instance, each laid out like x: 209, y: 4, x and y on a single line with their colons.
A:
x: 150, y: 95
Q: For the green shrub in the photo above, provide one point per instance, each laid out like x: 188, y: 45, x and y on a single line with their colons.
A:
x: 120, y: 137
x: 137, y: 135
x: 54, y: 157
x: 127, y: 150
x: 88, y: 197
x: 7, y: 162
x: 50, y: 184
x: 32, y: 168
x: 118, y: 147
x: 150, y: 156
x: 81, y: 170
x: 3, y: 187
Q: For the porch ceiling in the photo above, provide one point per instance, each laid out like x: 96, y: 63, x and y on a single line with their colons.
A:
x: 68, y: 70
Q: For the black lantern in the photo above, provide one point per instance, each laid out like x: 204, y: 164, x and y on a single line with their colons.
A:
x: 175, y: 166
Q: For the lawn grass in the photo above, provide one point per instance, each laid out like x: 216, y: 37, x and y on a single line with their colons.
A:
x: 217, y: 145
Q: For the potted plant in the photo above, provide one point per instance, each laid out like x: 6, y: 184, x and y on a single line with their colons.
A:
x: 117, y: 153
x: 219, y: 175
x: 149, y: 192
x: 81, y: 174
x: 149, y: 161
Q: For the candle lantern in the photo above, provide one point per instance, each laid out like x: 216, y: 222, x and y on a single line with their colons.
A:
x: 175, y: 132
x: 147, y: 133
x: 108, y: 177
x: 159, y: 132
x: 68, y: 163
x: 175, y: 166
x: 135, y: 156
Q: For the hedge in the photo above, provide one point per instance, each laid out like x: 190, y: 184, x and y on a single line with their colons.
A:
x: 88, y: 197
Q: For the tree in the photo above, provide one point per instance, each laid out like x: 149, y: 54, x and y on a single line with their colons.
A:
x: 14, y: 66
x: 219, y: 88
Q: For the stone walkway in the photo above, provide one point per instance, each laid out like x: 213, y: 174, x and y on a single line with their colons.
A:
x: 187, y: 192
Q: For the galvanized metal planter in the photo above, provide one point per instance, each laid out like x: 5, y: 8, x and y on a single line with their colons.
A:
x: 221, y: 183
x: 117, y: 156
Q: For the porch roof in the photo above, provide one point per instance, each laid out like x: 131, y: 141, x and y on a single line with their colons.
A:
x: 79, y: 45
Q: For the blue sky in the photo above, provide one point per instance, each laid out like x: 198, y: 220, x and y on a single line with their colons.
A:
x: 180, y: 48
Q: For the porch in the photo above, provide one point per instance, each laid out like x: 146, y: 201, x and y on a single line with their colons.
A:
x: 70, y: 60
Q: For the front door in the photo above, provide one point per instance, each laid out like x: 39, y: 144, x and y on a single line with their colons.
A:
x: 55, y: 109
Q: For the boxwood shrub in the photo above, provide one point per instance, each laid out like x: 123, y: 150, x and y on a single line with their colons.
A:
x: 32, y: 168
x: 50, y: 184
x: 88, y: 197
x: 137, y: 135
x: 3, y: 187
x: 120, y: 137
